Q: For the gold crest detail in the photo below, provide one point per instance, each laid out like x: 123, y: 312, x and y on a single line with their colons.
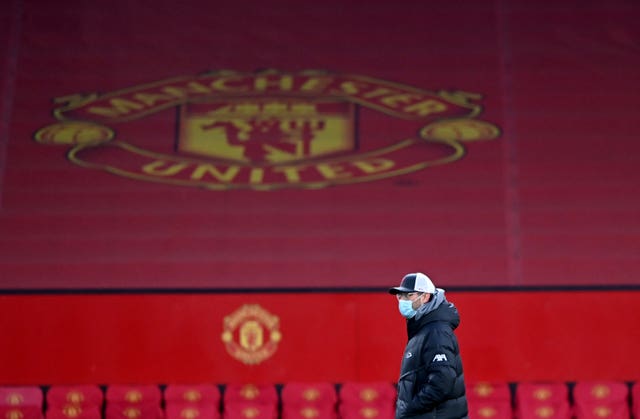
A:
x: 75, y: 397
x: 192, y: 395
x: 250, y: 412
x: 544, y: 411
x: 189, y: 413
x: 249, y: 392
x: 487, y: 412
x: 483, y: 389
x: 311, y: 394
x: 542, y: 394
x: 369, y: 412
x: 15, y: 399
x: 602, y: 412
x: 309, y: 412
x: 131, y: 412
x: 600, y: 391
x: 368, y: 394
x: 133, y: 396
x: 251, y: 334
x: 14, y: 414
x: 72, y: 411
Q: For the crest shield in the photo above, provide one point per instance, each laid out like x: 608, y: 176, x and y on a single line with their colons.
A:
x: 268, y: 131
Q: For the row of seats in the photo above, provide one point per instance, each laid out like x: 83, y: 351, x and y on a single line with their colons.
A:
x: 581, y: 400
x: 374, y: 400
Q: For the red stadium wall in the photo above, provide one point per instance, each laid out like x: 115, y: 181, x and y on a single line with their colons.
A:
x: 488, y: 143
x: 163, y: 338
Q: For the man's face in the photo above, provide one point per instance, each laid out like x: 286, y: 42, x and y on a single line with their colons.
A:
x: 416, y: 298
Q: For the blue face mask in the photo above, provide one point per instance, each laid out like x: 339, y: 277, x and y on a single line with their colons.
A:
x: 406, y: 309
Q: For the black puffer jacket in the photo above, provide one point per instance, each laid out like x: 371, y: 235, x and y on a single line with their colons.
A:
x: 431, y: 383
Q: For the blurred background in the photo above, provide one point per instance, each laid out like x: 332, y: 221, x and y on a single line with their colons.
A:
x: 223, y: 192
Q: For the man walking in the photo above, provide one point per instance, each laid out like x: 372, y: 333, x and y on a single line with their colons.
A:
x: 431, y: 383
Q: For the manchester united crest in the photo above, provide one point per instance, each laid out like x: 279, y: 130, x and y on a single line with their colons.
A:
x: 251, y: 334
x: 266, y: 130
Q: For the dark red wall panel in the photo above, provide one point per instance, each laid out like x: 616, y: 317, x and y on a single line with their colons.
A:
x: 505, y: 336
x: 489, y: 143
x: 551, y: 200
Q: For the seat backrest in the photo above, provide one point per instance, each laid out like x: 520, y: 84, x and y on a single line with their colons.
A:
x: 80, y: 395
x: 600, y: 391
x: 21, y: 396
x: 319, y: 393
x: 488, y: 391
x: 545, y: 410
x: 133, y: 394
x: 257, y: 393
x: 201, y: 394
x: 542, y: 392
x: 373, y: 393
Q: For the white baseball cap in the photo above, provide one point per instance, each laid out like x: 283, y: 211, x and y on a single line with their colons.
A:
x: 414, y: 282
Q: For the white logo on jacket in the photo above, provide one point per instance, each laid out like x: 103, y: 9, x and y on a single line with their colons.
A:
x: 439, y: 358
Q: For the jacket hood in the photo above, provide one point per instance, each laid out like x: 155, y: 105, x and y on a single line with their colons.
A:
x: 436, y: 310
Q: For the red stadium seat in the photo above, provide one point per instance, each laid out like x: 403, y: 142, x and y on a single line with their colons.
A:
x: 20, y: 412
x: 133, y: 402
x: 309, y: 400
x: 542, y: 392
x: 74, y: 402
x: 72, y: 411
x: 488, y: 391
x: 191, y: 411
x: 378, y: 392
x: 192, y: 401
x: 367, y: 400
x: 21, y: 396
x: 489, y: 400
x: 250, y: 410
x: 265, y: 393
x: 21, y: 402
x: 544, y: 411
x: 132, y: 411
x: 601, y: 399
x: 542, y: 400
x: 490, y: 409
x: 203, y: 394
x: 319, y: 394
x: 367, y: 412
x: 133, y: 394
x: 250, y: 401
x: 83, y: 395
x: 308, y: 411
